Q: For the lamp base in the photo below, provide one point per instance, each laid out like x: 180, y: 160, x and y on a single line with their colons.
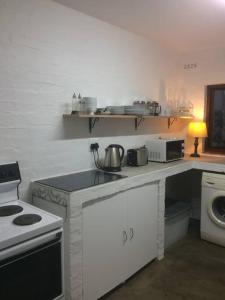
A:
x: 195, y: 155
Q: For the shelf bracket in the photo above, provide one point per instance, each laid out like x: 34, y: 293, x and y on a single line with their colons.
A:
x: 138, y: 122
x: 171, y: 121
x: 92, y: 122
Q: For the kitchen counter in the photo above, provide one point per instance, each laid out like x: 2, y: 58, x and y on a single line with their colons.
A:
x: 210, y: 163
x: 70, y: 206
x: 135, y: 176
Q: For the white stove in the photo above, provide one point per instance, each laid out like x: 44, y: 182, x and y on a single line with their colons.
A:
x: 13, y: 234
x: 29, y: 237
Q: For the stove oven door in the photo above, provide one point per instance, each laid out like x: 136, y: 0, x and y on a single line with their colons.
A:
x: 32, y: 270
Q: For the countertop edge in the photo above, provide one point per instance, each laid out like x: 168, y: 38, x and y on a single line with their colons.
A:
x: 81, y: 197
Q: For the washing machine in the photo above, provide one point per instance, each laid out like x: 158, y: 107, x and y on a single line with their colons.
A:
x: 213, y: 208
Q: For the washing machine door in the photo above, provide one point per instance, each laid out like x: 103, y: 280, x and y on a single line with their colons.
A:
x: 216, y: 209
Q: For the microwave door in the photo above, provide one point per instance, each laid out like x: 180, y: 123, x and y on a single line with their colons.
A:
x: 174, y: 150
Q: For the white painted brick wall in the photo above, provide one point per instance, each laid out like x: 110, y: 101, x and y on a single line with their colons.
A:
x: 47, y: 52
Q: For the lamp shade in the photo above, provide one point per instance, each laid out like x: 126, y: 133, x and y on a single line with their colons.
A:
x: 197, y: 129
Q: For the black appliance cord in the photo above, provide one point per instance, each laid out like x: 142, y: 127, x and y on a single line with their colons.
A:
x: 97, y: 164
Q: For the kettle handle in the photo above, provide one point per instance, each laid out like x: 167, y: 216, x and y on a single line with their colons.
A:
x: 122, y: 154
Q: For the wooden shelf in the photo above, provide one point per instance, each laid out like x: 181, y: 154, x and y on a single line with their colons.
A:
x: 92, y: 119
x: 101, y: 116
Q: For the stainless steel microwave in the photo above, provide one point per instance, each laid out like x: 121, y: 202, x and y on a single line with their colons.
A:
x: 165, y: 150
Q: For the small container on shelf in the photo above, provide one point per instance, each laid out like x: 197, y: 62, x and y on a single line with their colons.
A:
x: 74, y: 103
x: 89, y: 105
x: 154, y: 108
x: 184, y: 109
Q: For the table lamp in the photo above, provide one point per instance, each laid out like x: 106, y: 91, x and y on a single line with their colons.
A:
x: 197, y: 130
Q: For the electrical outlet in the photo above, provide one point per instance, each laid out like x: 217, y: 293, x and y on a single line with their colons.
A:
x: 94, y: 147
x: 92, y: 141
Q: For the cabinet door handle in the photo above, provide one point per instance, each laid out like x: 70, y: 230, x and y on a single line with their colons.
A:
x: 131, y: 233
x: 124, y: 236
x: 209, y: 182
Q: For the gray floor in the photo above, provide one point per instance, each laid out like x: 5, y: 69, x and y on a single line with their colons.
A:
x: 192, y: 269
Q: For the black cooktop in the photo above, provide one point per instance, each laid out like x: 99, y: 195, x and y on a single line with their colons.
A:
x: 79, y: 181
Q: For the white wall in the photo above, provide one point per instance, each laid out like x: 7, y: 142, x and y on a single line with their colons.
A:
x: 47, y: 52
x: 190, y: 84
x: 210, y: 70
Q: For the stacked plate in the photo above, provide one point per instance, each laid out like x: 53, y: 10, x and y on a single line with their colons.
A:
x: 116, y: 110
x: 136, y: 110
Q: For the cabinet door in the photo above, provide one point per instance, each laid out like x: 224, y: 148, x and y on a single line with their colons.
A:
x: 103, y: 246
x: 142, y: 209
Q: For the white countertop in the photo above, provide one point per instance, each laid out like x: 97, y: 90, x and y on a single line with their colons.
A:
x: 157, y: 171
x: 137, y: 176
x: 204, y: 162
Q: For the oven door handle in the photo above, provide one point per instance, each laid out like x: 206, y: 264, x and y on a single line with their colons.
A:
x: 30, y: 244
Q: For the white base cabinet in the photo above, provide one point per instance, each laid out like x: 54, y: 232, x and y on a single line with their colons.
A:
x: 142, y: 210
x: 119, y: 238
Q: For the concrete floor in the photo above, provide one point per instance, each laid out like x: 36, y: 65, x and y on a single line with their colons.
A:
x: 192, y: 269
